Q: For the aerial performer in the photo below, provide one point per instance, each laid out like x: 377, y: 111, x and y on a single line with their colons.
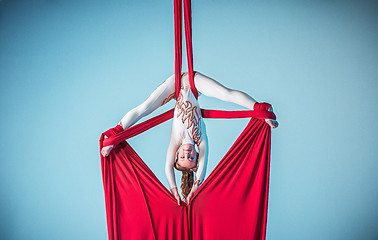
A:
x: 188, y: 147
x: 231, y: 203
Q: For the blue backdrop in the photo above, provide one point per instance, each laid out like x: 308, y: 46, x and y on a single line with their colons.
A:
x: 70, y: 70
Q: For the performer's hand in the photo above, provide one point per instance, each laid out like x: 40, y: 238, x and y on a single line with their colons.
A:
x: 176, y: 195
x: 272, y: 123
x: 105, y: 151
x: 189, y: 197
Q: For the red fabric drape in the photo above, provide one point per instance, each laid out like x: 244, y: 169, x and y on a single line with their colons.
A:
x: 230, y: 204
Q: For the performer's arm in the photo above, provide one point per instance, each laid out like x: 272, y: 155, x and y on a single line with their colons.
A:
x: 202, y: 164
x: 169, y: 163
x: 163, y: 94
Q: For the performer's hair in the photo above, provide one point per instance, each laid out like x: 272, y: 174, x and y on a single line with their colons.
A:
x: 187, y: 178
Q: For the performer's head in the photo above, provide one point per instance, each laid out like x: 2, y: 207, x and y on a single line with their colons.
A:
x: 186, y: 162
x: 187, y: 156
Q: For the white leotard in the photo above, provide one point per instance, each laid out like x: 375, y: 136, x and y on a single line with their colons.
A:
x: 187, y: 125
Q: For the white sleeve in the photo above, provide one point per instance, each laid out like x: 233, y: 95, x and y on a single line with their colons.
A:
x: 163, y: 94
x: 202, y: 162
x: 170, y: 161
x: 212, y: 88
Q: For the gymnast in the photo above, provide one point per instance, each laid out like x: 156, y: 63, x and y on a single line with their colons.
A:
x: 187, y: 150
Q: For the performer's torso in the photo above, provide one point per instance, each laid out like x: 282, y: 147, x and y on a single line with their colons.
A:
x: 187, y: 124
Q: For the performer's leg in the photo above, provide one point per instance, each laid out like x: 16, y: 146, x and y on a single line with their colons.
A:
x: 163, y: 94
x: 212, y: 88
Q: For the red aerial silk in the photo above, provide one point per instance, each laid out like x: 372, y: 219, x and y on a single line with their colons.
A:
x: 230, y: 204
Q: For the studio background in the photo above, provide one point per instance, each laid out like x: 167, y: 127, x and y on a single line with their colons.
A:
x: 70, y: 70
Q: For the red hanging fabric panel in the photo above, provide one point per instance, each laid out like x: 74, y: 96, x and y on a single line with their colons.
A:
x: 230, y: 204
x: 138, y: 206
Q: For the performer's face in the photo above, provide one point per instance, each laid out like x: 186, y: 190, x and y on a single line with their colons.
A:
x: 187, y: 156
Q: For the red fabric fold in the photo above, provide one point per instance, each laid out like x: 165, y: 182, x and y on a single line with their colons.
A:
x: 230, y: 204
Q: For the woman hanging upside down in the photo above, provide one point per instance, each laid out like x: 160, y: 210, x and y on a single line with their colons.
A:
x: 187, y: 150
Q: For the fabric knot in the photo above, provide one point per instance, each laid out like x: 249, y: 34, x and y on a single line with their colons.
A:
x: 261, y: 106
x: 113, y: 131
